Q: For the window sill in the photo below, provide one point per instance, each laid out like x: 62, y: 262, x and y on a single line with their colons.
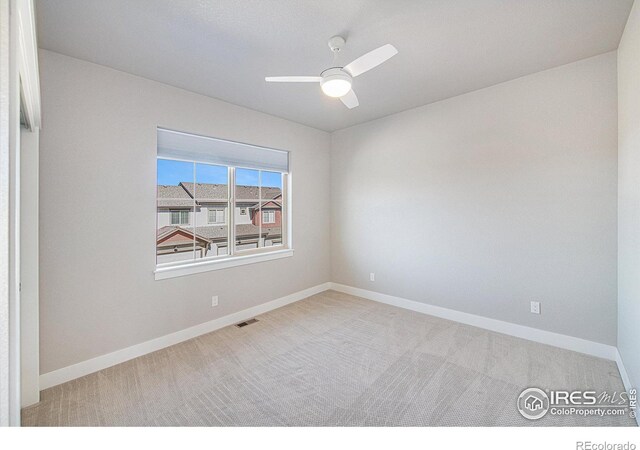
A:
x: 162, y: 273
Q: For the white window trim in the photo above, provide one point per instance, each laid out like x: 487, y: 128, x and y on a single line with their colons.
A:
x: 222, y: 262
x: 171, y: 211
x: 269, y: 213
x: 233, y: 259
x: 224, y: 220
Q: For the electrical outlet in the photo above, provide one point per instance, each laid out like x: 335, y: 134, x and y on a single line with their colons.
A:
x: 372, y: 276
x: 214, y: 301
x: 535, y: 307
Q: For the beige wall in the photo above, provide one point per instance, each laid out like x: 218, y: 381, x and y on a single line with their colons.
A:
x: 97, y: 211
x: 480, y: 203
x: 629, y: 196
x: 487, y: 201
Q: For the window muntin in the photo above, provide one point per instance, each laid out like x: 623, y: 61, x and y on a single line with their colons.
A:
x: 220, y: 211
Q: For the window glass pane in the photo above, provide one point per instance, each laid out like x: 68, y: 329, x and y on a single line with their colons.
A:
x: 211, y: 192
x: 271, y: 194
x: 272, y: 226
x: 174, y: 238
x: 247, y: 196
x: 194, y: 210
x: 247, y: 184
x: 272, y: 184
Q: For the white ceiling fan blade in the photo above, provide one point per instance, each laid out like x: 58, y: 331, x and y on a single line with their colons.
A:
x: 350, y: 100
x: 302, y: 79
x: 370, y: 60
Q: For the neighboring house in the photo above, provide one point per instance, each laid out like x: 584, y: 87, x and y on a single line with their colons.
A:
x: 258, y: 222
x: 176, y: 241
x: 271, y: 212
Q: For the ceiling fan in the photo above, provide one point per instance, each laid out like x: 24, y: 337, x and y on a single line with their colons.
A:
x: 336, y: 81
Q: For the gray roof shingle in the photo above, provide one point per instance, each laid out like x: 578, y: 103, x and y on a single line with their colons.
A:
x: 173, y: 197
x: 204, y: 192
x: 214, y: 232
x: 181, y: 196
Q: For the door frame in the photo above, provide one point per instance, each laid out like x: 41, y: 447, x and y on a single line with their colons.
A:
x: 19, y: 91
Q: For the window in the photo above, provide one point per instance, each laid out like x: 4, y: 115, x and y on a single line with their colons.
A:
x: 213, y: 197
x: 180, y: 217
x: 216, y: 215
x: 258, y: 189
x: 268, y: 217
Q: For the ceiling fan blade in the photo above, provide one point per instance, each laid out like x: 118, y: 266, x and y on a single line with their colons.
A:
x: 370, y: 60
x: 350, y: 100
x: 302, y: 79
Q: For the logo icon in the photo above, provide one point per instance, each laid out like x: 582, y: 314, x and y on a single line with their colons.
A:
x: 533, y: 403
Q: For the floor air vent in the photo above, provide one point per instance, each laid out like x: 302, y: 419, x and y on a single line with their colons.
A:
x: 246, y: 322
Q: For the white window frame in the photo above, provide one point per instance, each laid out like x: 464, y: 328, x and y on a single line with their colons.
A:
x: 269, y: 212
x: 235, y: 257
x: 180, y: 211
x: 215, y: 222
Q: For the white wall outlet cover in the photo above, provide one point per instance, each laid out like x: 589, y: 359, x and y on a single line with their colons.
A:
x: 535, y: 307
x: 214, y: 300
x: 372, y: 276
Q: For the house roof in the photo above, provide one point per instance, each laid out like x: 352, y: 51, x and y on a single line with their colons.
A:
x: 173, y: 197
x: 248, y: 229
x: 276, y: 203
x: 204, y: 192
x: 165, y: 233
x: 181, y: 196
x: 216, y: 232
x: 242, y: 231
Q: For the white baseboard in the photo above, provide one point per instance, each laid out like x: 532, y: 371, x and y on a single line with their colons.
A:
x: 533, y: 334
x: 83, y: 368
x: 499, y: 326
x: 625, y: 377
x: 623, y: 372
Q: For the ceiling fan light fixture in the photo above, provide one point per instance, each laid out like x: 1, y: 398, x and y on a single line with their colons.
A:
x: 335, y: 83
x: 336, y: 88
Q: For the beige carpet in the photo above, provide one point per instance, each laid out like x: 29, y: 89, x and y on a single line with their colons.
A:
x: 331, y: 360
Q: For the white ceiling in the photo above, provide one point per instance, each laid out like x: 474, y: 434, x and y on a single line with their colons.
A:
x: 225, y: 48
